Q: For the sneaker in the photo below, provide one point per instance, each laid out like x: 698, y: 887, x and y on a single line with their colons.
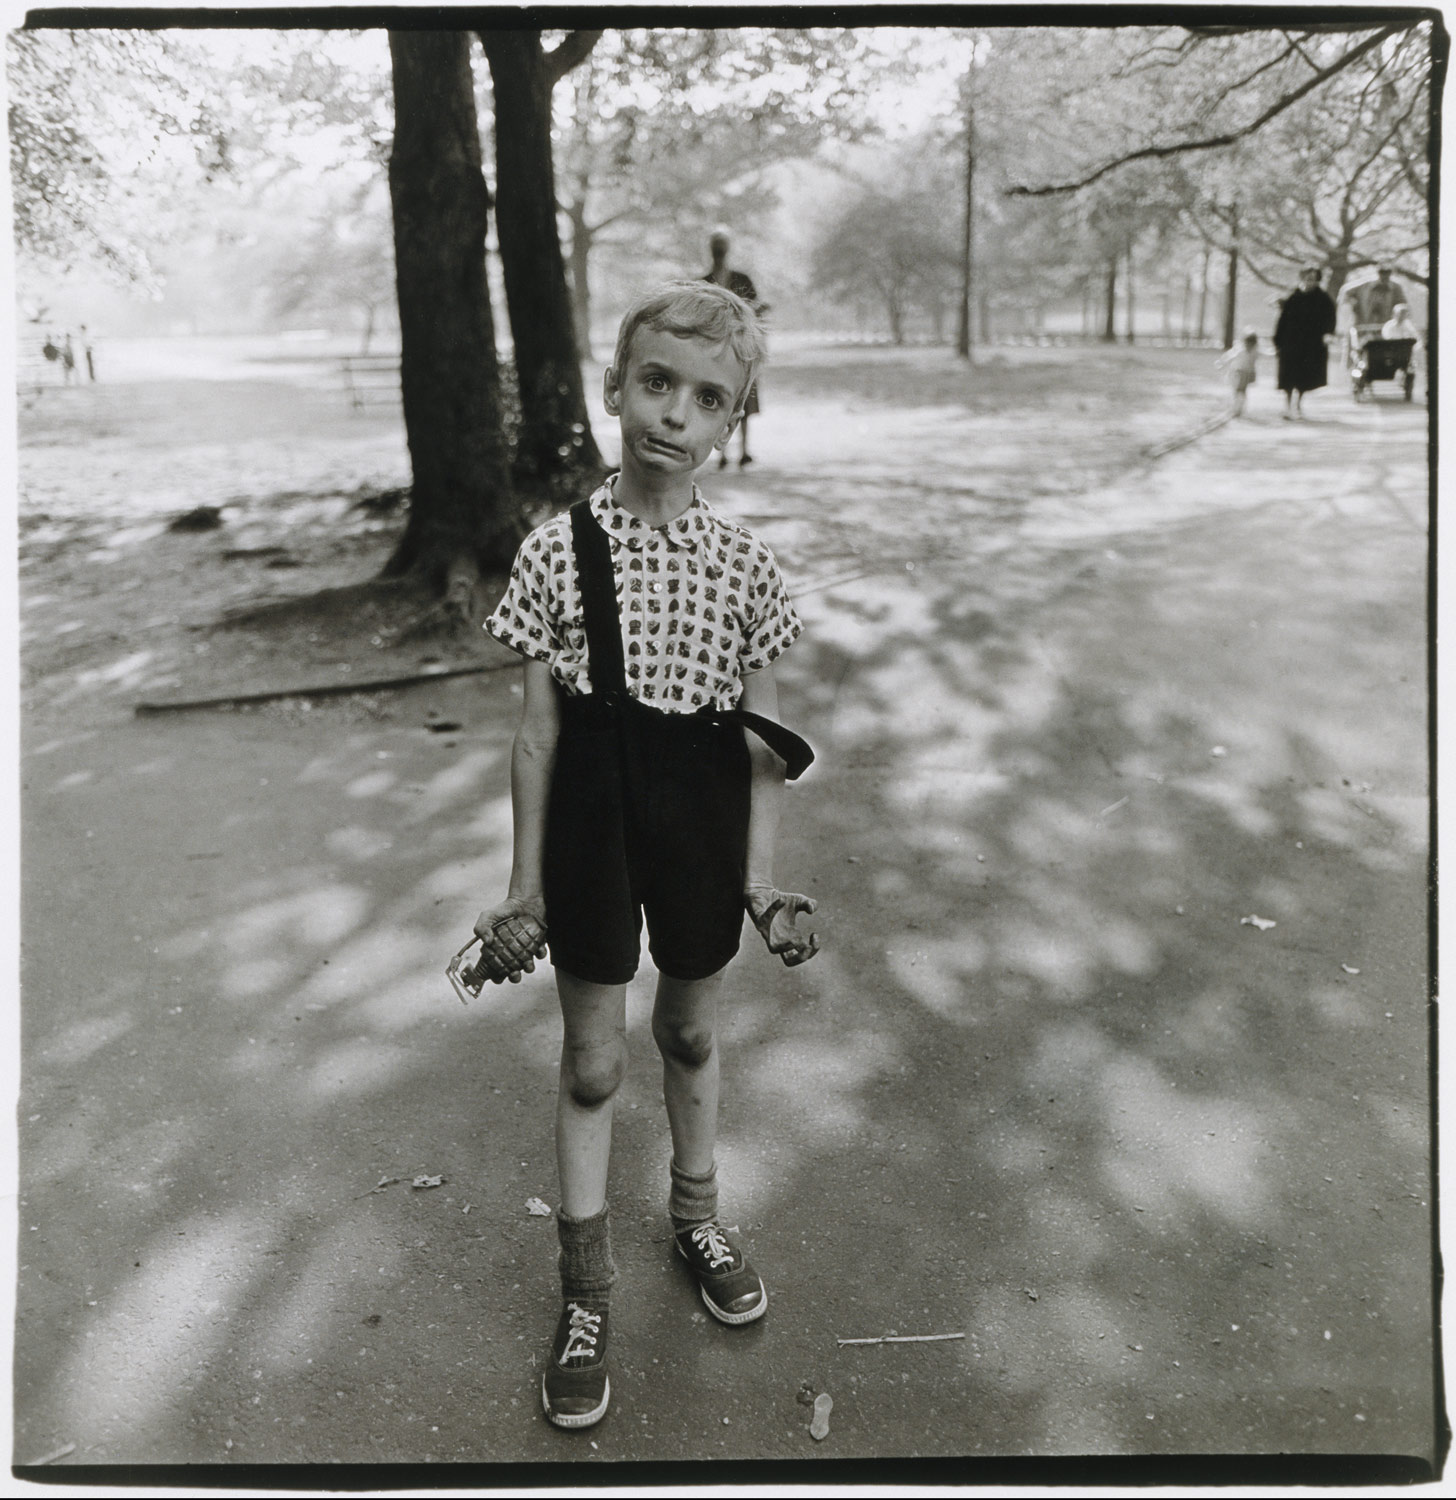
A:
x: 731, y: 1288
x: 574, y: 1388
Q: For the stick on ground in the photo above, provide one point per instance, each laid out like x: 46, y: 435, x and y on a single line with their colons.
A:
x: 905, y: 1338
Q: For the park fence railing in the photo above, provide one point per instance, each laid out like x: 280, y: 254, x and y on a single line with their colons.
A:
x: 371, y: 380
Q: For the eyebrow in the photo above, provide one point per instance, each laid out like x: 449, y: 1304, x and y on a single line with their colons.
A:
x: 656, y: 367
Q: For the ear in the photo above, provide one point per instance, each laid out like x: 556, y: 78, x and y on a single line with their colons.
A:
x: 728, y: 427
x: 611, y: 392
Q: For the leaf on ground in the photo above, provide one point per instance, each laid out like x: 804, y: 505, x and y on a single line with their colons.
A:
x: 1348, y: 969
x: 535, y: 1206
x: 427, y: 1182
x: 1262, y: 923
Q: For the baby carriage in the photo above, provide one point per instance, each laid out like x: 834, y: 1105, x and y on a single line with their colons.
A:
x: 1373, y: 358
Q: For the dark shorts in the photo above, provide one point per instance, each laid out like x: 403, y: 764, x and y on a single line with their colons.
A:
x: 648, y: 816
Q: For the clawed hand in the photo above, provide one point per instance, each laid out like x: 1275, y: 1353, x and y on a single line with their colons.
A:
x: 774, y: 913
x: 512, y: 937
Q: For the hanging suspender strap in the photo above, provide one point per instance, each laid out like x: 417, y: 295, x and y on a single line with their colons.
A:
x: 607, y: 671
x: 598, y: 586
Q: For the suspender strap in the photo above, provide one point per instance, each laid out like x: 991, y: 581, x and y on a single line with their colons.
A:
x: 796, y: 753
x: 598, y: 587
x: 608, y: 673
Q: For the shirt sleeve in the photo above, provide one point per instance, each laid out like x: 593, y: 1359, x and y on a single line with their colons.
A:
x: 523, y: 620
x: 773, y: 623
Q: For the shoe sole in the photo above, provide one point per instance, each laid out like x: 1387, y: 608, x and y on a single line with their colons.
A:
x: 735, y: 1318
x: 584, y: 1419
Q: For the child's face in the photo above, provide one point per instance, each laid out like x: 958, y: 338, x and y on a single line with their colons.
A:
x: 677, y: 401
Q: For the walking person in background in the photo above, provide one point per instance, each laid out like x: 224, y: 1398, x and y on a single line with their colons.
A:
x: 741, y: 285
x: 87, y: 354
x: 1302, y: 337
x: 68, y: 360
x: 1373, y: 302
x: 1241, y: 362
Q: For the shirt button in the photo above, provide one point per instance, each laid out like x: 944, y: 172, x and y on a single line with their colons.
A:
x: 655, y: 587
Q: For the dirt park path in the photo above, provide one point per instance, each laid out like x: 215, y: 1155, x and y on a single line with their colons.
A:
x: 1079, y: 715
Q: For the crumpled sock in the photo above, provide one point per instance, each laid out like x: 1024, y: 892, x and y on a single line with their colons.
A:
x: 585, y: 1262
x: 692, y: 1199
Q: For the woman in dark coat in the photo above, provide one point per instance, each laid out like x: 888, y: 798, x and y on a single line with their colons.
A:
x: 1306, y: 322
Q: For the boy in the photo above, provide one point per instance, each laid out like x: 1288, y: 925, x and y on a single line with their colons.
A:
x: 649, y: 625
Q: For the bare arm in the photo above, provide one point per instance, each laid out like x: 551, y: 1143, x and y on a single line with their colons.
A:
x: 513, y: 934
x: 772, y: 911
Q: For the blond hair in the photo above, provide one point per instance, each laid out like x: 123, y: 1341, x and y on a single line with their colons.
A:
x: 700, y: 310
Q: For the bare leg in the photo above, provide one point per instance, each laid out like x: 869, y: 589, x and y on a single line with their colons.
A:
x: 684, y: 1026
x: 593, y: 1064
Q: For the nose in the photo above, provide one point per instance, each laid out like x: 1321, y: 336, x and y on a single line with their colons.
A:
x: 675, y: 414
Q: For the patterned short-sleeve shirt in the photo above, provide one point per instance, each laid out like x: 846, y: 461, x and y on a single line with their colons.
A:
x: 701, y: 601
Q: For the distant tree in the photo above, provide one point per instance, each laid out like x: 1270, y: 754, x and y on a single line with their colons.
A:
x: 1339, y: 180
x: 463, y: 518
x: 668, y: 132
x: 894, y: 242
x: 343, y: 263
x: 1289, y: 143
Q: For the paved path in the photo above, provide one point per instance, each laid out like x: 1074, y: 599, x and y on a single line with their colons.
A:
x: 1166, y: 1170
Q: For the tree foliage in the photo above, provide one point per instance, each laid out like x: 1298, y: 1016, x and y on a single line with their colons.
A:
x: 1286, y: 145
x: 891, y: 241
x: 105, y: 125
x: 667, y: 132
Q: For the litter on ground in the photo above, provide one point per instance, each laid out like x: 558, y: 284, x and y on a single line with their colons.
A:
x: 819, y: 1427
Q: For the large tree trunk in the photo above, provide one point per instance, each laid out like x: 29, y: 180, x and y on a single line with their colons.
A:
x: 463, y: 513
x: 555, y: 449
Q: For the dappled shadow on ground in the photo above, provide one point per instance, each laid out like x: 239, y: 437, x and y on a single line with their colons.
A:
x: 1166, y: 1170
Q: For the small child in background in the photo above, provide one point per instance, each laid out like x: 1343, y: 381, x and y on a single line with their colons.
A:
x: 1241, y: 362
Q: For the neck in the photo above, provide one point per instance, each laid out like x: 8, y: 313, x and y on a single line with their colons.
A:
x: 654, y: 501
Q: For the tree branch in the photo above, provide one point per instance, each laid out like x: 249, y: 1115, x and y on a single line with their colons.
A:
x: 1248, y: 78
x: 575, y: 47
x: 1180, y: 148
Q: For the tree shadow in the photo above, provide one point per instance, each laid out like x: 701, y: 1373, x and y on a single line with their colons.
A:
x: 1166, y: 1171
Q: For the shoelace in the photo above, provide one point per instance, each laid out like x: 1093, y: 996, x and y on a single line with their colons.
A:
x: 581, y: 1341
x: 709, y: 1239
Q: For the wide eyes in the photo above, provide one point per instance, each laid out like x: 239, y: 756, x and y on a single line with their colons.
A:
x: 657, y: 384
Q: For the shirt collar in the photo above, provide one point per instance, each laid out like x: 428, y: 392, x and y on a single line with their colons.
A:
x: 682, y: 533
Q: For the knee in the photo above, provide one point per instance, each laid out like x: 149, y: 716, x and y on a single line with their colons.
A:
x: 592, y: 1075
x: 688, y: 1045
